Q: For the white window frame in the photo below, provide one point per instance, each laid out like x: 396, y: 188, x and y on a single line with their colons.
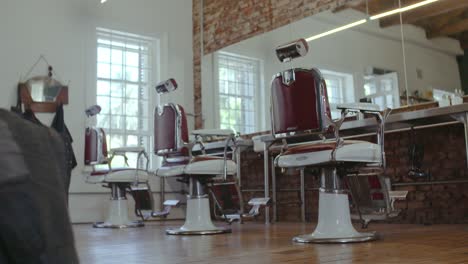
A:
x: 259, y: 119
x: 153, y: 45
x: 346, y: 87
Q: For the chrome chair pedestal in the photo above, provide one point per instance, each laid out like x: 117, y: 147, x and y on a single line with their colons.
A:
x: 334, y: 220
x: 198, y: 218
x: 117, y: 216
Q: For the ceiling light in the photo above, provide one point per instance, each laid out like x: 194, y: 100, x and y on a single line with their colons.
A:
x: 103, y: 1
x: 357, y: 23
x: 403, y: 9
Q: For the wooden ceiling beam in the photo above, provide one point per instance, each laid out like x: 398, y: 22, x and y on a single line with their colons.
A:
x: 450, y: 29
x: 425, y: 12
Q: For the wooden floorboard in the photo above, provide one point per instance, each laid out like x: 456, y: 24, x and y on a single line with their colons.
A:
x: 258, y: 243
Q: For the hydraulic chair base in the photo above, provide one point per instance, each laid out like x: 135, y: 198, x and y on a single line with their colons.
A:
x: 334, y: 217
x: 118, y: 211
x: 118, y: 216
x: 334, y: 223
x: 198, y: 219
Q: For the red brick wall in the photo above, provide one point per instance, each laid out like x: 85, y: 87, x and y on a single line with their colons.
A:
x: 226, y: 22
x: 444, y: 158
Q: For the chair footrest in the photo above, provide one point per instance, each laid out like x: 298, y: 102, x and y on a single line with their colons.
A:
x: 168, y: 204
x: 256, y: 203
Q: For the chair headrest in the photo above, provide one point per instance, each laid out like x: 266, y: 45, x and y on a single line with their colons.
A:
x: 289, y: 51
x: 166, y: 86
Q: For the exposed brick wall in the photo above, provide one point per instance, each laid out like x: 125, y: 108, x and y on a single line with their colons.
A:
x: 226, y: 22
x: 444, y: 158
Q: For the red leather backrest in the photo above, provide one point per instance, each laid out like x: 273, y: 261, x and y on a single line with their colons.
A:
x: 95, y: 146
x: 300, y: 105
x: 170, y: 129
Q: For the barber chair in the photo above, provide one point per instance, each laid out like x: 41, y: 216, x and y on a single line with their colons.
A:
x: 120, y: 181
x: 299, y: 110
x: 171, y: 142
x: 300, y: 107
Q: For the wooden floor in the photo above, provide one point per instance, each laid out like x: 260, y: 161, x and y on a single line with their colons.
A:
x: 257, y: 243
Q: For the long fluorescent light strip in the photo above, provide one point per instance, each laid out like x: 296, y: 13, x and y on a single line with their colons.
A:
x: 360, y: 22
x: 357, y: 23
x: 403, y: 9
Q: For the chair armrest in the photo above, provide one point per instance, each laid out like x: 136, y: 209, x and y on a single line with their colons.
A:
x: 127, y: 149
x: 213, y: 132
x: 359, y: 107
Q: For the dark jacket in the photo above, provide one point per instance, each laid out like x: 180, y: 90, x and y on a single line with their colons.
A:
x: 34, y: 222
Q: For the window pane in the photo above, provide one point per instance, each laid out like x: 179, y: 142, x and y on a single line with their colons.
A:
x: 116, y: 141
x: 131, y: 74
x: 131, y: 107
x: 132, y: 59
x: 116, y: 57
x: 132, y: 140
x: 131, y: 123
x: 103, y: 70
x: 104, y: 102
x: 103, y: 121
x: 116, y: 106
x: 131, y: 91
x: 103, y: 88
x: 116, y: 89
x: 103, y: 54
x: 116, y: 72
x: 116, y: 122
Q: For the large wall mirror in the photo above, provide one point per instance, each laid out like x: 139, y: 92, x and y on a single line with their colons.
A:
x: 375, y: 59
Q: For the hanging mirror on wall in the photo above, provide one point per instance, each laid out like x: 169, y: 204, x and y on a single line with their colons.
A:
x: 42, y: 94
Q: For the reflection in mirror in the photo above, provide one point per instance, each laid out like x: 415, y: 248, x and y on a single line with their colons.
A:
x: 363, y: 62
x: 44, y: 89
x: 434, y: 36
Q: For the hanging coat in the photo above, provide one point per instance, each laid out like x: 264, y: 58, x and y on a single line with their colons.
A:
x: 59, y: 125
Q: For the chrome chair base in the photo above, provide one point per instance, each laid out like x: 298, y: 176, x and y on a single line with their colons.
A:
x: 180, y: 231
x: 110, y: 225
x: 361, y: 237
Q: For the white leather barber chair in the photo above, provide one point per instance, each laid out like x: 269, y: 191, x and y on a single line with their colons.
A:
x: 118, y: 180
x: 300, y: 107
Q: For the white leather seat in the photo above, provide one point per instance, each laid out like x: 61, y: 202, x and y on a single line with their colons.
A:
x: 209, y: 165
x: 170, y: 171
x: 118, y: 175
x: 320, y: 152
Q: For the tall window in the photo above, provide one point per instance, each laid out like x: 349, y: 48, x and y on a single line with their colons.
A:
x: 238, y: 82
x: 340, y: 89
x: 123, y: 74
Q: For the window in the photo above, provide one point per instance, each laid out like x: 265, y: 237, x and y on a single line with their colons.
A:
x: 238, y: 83
x: 123, y: 74
x: 383, y: 89
x: 340, y: 89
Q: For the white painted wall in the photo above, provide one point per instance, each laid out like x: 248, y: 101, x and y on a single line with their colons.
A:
x: 352, y: 51
x: 64, y: 32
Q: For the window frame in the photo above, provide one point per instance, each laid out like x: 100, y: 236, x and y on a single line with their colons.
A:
x: 347, y: 93
x: 258, y: 93
x: 153, y: 52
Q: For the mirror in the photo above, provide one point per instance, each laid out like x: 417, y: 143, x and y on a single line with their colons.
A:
x: 433, y: 37
x: 44, y: 89
x: 362, y: 63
